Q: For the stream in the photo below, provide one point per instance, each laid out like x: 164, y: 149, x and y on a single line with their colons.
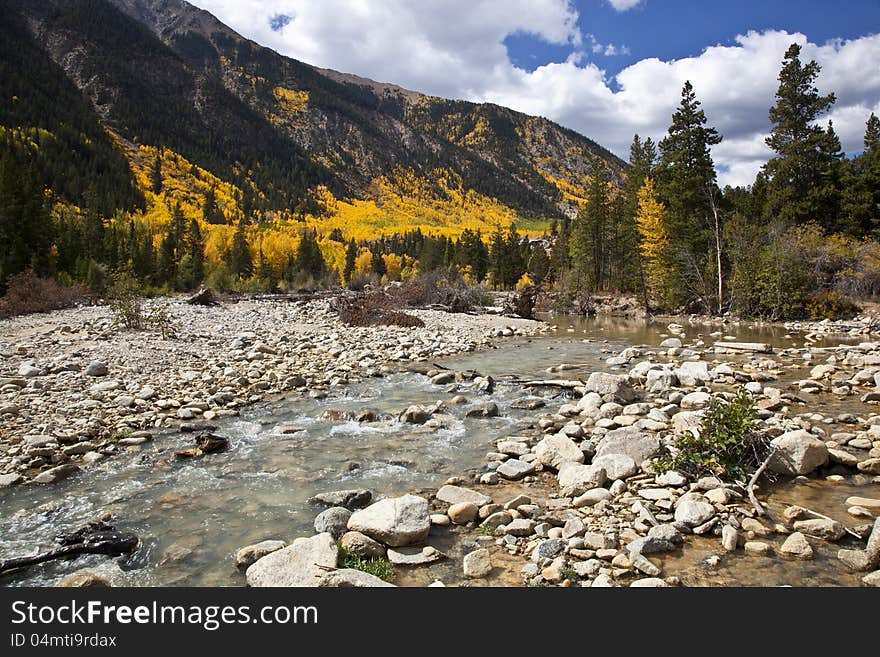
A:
x: 192, y: 516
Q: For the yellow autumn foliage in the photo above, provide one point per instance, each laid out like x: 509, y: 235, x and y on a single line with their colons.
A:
x: 290, y: 100
x: 654, y: 242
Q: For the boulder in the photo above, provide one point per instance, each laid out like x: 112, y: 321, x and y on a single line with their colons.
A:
x: 97, y: 368
x: 477, y: 564
x: 553, y: 451
x: 692, y: 374
x: 515, y: 469
x: 575, y: 478
x: 610, y: 385
x: 56, y: 474
x: 350, y: 499
x: 797, y: 453
x: 459, y: 495
x: 362, y: 545
x: 824, y: 528
x: 696, y: 400
x: 660, y: 380
x: 591, y: 497
x: 346, y: 578
x: 253, y: 553
x: 302, y: 563
x: 462, y: 513
x: 394, y: 521
x: 415, y: 415
x: 617, y: 466
x: 796, y: 545
x: 334, y: 521
x: 693, y: 512
x: 637, y: 445
x: 414, y: 556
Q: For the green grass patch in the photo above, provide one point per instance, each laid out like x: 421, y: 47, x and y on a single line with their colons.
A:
x: 380, y: 568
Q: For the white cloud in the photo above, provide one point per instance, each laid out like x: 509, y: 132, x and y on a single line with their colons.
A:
x: 455, y: 48
x: 624, y: 5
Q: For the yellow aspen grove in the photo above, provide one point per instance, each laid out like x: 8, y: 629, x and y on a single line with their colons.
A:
x: 654, y: 242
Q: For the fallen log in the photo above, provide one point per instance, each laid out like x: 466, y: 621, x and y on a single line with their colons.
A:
x: 549, y: 383
x: 94, y: 538
x: 754, y: 347
x: 204, y: 297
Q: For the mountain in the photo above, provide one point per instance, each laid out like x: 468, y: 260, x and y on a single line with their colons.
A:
x: 93, y: 83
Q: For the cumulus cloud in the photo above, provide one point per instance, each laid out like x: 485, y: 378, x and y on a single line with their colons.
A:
x: 455, y: 49
x: 624, y: 5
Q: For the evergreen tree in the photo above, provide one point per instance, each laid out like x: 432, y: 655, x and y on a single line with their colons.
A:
x: 377, y: 264
x: 686, y: 182
x: 587, y: 245
x: 861, y: 186
x: 802, y: 177
x: 351, y: 254
x: 25, y: 227
x: 309, y: 260
x: 195, y: 246
x: 156, y: 174
x: 239, y: 259
x: 539, y: 263
x: 211, y: 213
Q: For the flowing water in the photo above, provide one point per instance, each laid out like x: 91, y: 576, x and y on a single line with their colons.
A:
x: 192, y: 516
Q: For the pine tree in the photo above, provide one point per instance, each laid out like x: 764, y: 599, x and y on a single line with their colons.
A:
x: 195, y: 246
x: 239, y: 259
x: 156, y: 175
x: 211, y: 213
x: 686, y: 183
x: 377, y: 264
x: 587, y: 245
x: 351, y: 254
x: 861, y: 186
x: 801, y: 177
x: 654, y: 244
x: 309, y: 259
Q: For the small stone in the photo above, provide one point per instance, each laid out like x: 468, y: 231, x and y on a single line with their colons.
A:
x: 414, y: 556
x: 729, y: 538
x: 84, y: 579
x: 872, y: 579
x: 758, y: 548
x: 514, y: 469
x: 796, y: 545
x: 97, y: 368
x: 477, y: 564
x: 463, y: 513
x: 457, y: 495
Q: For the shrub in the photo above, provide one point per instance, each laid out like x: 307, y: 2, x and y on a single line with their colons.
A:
x: 380, y: 568
x: 727, y: 444
x: 373, y: 309
x: 830, y: 304
x: 28, y: 293
x: 129, y: 310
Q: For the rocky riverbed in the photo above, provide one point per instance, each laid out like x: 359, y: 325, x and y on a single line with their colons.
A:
x: 602, y: 513
x: 570, y: 494
x: 75, y: 389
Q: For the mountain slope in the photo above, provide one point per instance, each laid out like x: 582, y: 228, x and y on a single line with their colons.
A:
x: 163, y: 73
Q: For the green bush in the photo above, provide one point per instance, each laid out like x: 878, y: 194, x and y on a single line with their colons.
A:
x: 831, y: 304
x: 728, y: 444
x: 380, y: 568
x: 126, y: 302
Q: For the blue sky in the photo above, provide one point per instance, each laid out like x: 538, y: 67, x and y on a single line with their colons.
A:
x: 606, y: 68
x: 672, y: 29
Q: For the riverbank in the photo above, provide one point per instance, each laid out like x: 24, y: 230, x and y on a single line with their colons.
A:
x: 75, y: 390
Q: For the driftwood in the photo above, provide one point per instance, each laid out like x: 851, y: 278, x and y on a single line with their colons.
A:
x: 819, y: 515
x: 750, y: 488
x: 204, y: 297
x: 94, y: 538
